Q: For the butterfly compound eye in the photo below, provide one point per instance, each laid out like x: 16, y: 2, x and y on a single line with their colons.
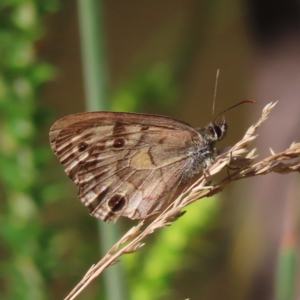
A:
x: 212, y: 130
x: 218, y: 131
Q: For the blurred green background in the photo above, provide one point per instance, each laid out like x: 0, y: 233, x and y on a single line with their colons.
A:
x: 63, y: 57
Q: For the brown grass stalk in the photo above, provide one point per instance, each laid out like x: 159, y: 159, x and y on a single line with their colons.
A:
x: 283, y: 162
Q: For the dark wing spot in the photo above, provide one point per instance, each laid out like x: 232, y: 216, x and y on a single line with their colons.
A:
x: 117, y: 202
x: 119, y: 128
x: 118, y: 143
x: 162, y: 140
x: 144, y: 127
x: 82, y: 146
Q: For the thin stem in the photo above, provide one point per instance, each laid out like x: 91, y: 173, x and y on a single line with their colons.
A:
x: 95, y: 78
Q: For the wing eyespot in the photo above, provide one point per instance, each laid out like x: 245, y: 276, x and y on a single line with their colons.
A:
x: 118, y: 143
x: 117, y: 202
x: 82, y: 146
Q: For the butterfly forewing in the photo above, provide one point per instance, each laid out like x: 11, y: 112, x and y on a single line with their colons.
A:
x: 126, y: 164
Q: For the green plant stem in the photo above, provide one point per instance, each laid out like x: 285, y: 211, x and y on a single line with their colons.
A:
x: 94, y: 68
x: 286, y: 273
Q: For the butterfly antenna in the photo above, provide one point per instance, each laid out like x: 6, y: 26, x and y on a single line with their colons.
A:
x: 215, y: 91
x: 231, y: 107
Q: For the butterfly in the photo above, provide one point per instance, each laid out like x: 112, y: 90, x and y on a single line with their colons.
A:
x: 129, y: 164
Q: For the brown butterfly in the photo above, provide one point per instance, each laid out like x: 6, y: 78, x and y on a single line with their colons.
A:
x: 132, y: 165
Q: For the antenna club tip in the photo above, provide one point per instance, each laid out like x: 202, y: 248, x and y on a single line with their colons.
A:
x: 249, y: 101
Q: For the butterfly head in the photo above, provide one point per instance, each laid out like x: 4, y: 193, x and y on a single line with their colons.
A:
x: 216, y: 131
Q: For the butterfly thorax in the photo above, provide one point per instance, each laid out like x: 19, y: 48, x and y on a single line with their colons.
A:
x: 204, y: 152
